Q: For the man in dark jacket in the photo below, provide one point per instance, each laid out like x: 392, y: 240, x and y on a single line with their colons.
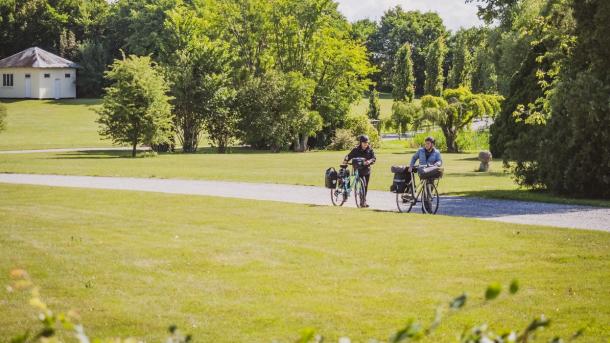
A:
x: 365, y: 151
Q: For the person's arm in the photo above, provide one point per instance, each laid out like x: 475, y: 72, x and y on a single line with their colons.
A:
x: 349, y: 156
x: 413, y: 160
x: 439, y: 160
x: 373, y: 158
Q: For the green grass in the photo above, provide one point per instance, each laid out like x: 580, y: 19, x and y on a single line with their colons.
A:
x: 288, y: 168
x: 48, y: 124
x: 234, y: 270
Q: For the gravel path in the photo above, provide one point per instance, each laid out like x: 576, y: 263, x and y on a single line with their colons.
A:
x: 70, y: 150
x: 522, y: 212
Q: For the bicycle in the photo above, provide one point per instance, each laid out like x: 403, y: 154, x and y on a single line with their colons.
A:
x: 345, y: 184
x: 427, y: 194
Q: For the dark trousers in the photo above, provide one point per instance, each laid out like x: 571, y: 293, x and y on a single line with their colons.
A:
x: 366, y: 183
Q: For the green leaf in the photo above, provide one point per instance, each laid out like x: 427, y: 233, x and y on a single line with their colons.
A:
x: 493, y: 291
x: 514, y: 286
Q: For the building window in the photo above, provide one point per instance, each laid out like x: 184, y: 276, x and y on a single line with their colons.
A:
x: 7, y: 80
x: 67, y: 76
x: 46, y: 76
x: 27, y: 76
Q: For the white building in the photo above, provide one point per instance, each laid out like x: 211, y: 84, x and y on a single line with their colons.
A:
x: 37, y: 74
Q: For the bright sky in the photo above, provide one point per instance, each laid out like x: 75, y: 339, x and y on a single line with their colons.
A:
x: 455, y: 13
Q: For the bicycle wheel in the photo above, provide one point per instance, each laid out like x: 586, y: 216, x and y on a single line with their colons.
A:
x: 337, y: 196
x: 360, y: 192
x: 430, y: 199
x: 405, y: 201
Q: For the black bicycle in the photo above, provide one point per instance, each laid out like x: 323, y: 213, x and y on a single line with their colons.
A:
x: 426, y: 193
x: 347, y: 182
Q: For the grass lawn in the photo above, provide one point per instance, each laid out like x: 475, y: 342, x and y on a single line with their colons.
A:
x: 48, y: 124
x: 235, y: 270
x: 385, y: 101
x: 289, y: 168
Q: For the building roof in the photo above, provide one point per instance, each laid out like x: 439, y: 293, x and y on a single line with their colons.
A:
x: 36, y: 58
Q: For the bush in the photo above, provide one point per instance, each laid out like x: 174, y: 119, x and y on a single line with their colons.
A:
x: 361, y: 125
x: 419, y: 139
x: 344, y: 139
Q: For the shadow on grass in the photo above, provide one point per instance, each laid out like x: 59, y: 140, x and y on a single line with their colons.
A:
x: 63, y: 102
x: 535, y: 196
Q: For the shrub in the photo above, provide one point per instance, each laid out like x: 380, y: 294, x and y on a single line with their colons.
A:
x: 361, y: 125
x: 466, y: 140
x: 344, y: 139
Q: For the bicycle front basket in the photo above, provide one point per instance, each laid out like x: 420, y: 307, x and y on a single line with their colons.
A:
x: 432, y: 172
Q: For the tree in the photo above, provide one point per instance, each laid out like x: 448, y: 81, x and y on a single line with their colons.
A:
x: 93, y: 61
x: 274, y: 110
x: 435, y: 59
x: 404, y: 114
x: 403, y: 80
x: 203, y: 94
x: 396, y: 28
x: 460, y: 74
x: 309, y: 124
x: 374, y: 106
x: 456, y: 109
x: 574, y: 158
x: 136, y: 107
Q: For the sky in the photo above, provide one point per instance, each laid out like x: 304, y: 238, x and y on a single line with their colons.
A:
x: 455, y: 13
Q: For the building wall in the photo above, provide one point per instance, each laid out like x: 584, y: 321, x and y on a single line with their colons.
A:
x: 41, y: 87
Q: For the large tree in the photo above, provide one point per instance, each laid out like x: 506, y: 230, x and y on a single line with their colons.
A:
x: 435, y: 58
x: 398, y: 27
x: 403, y: 80
x: 136, y: 109
x: 456, y: 109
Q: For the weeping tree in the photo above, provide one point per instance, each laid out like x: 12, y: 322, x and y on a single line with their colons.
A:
x: 435, y: 58
x: 455, y: 110
x: 404, y: 79
x: 136, y: 108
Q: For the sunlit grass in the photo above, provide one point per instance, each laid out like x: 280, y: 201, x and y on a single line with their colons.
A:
x: 244, y: 271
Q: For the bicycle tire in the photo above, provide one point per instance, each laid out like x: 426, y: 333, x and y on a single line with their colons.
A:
x: 430, y: 199
x: 406, y: 206
x: 360, y: 192
x: 337, y: 197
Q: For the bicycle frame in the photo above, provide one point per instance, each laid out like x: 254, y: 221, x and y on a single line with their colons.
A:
x: 351, y: 181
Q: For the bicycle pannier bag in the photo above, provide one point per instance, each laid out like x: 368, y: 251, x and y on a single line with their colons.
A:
x: 432, y: 172
x: 330, y: 178
x: 399, y: 184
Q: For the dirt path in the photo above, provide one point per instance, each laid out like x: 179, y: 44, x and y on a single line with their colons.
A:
x: 522, y: 212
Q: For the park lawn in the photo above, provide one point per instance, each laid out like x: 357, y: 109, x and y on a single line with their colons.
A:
x: 228, y: 270
x: 385, y: 102
x: 286, y: 168
x: 48, y: 124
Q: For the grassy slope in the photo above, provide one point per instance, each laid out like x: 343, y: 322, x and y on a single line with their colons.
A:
x: 289, y: 168
x: 233, y: 270
x: 46, y: 124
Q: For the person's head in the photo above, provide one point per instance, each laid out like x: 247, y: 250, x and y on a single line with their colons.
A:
x: 363, y: 140
x: 429, y: 143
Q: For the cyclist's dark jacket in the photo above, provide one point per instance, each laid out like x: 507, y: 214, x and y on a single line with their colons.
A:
x: 367, y: 153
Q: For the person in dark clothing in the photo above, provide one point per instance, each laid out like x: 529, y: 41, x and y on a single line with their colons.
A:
x: 365, y: 151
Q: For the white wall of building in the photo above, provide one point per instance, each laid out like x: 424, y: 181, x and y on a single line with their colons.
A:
x: 41, y: 87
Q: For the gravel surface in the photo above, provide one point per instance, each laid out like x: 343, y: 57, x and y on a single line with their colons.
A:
x: 521, y: 212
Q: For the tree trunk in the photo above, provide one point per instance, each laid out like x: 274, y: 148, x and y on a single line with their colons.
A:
x: 134, y: 147
x: 451, y: 138
x: 304, y: 139
x: 296, y: 145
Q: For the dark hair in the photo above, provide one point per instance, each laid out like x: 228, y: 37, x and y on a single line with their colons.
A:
x: 430, y: 139
x: 363, y: 139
